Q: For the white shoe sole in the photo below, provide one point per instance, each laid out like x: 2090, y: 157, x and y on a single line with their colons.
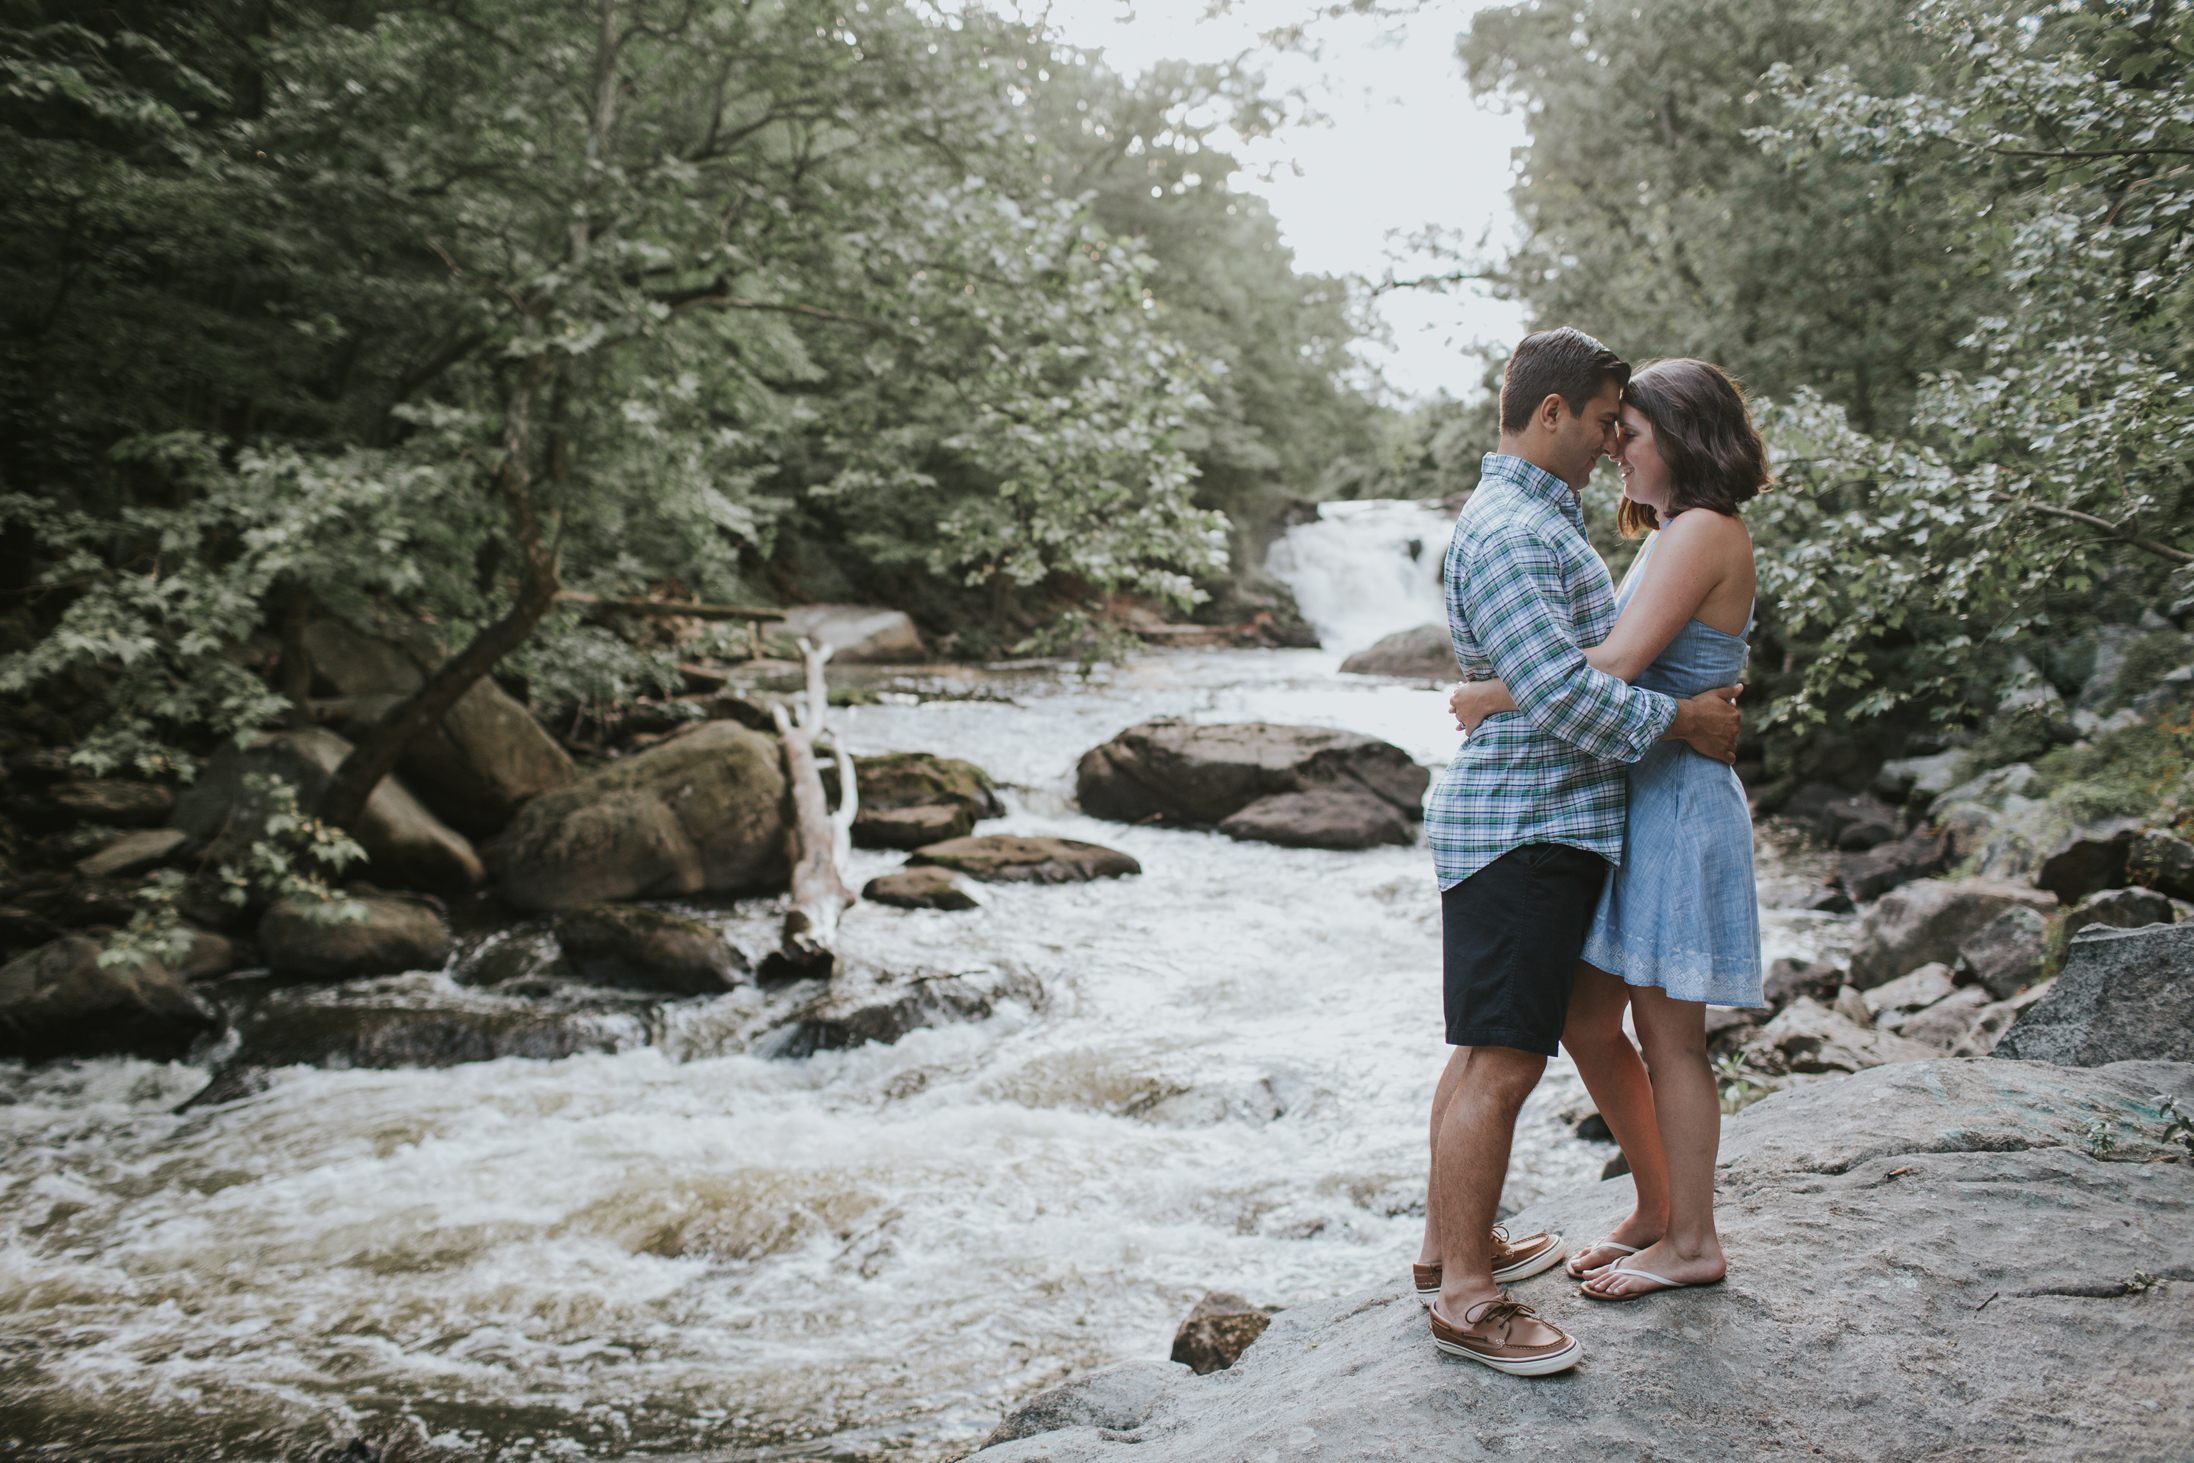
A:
x: 1553, y: 1255
x: 1547, y: 1259
x: 1537, y: 1366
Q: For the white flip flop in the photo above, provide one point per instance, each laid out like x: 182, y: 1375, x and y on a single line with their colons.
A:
x: 1605, y: 1244
x: 1661, y: 1280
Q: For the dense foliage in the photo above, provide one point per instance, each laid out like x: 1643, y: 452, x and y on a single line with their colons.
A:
x: 1945, y: 247
x: 428, y: 310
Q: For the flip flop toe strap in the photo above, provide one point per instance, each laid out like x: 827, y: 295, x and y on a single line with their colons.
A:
x: 1661, y: 1280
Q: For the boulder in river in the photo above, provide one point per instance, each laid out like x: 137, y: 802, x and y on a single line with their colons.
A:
x: 394, y: 933
x: 406, y: 846
x: 857, y: 634
x: 1425, y: 653
x: 1203, y: 775
x: 1808, y: 1037
x: 2005, y: 955
x: 882, y: 1008
x: 704, y: 811
x: 477, y: 766
x: 2123, y: 995
x: 2087, y: 859
x: 644, y: 949
x: 1926, y: 921
x: 909, y: 799
x: 1013, y: 858
x: 1899, y: 1288
x: 1217, y: 1331
x: 922, y: 888
x: 1855, y: 823
x: 417, y: 1021
x: 59, y: 1001
x: 1325, y: 817
x: 113, y: 802
x: 2162, y: 862
x: 133, y: 853
x: 1874, y: 872
x: 2123, y: 909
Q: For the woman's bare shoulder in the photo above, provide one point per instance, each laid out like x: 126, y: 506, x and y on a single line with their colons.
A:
x: 1703, y: 531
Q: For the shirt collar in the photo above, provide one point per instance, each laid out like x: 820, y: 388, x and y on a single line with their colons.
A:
x: 1536, y: 481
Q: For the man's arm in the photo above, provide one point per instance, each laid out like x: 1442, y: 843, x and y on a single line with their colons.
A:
x: 1516, y: 605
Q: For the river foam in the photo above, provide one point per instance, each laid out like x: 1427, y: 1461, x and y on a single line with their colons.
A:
x: 1222, y: 1085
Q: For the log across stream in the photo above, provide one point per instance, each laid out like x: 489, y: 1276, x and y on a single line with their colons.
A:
x: 1211, y: 1076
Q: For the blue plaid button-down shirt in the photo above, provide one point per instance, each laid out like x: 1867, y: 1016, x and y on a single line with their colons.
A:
x: 1525, y: 595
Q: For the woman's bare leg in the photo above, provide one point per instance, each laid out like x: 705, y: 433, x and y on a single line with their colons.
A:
x: 1690, y: 1119
x: 1625, y: 1095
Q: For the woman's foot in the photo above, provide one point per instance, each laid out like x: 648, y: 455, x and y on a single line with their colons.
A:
x: 1622, y: 1242
x: 1703, y: 1267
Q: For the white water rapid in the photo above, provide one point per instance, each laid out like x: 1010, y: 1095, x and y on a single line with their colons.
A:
x: 863, y: 1254
x: 1366, y: 569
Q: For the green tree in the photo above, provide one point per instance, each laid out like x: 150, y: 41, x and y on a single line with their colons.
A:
x: 511, y: 297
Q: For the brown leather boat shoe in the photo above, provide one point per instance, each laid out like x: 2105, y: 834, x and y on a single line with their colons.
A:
x: 1510, y: 1337
x: 1513, y: 1259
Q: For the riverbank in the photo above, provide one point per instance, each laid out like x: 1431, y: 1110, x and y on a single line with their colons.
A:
x: 1928, y: 1261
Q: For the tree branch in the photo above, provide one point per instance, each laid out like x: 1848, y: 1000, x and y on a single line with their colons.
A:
x: 2115, y: 532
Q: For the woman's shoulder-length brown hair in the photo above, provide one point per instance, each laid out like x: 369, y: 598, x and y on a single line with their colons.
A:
x: 1704, y: 432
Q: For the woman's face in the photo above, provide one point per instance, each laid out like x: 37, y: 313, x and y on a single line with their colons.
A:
x: 1645, y: 475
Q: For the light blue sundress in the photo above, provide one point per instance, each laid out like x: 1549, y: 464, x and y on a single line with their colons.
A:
x: 1682, y: 912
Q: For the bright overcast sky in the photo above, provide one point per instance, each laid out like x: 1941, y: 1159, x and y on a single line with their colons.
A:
x: 1404, y: 145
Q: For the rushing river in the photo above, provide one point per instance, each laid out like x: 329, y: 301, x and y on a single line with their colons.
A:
x: 866, y: 1253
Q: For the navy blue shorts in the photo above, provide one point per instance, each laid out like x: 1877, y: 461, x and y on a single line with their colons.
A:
x: 1510, y: 935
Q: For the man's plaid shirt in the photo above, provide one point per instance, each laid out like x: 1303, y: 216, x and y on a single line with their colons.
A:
x: 1525, y: 595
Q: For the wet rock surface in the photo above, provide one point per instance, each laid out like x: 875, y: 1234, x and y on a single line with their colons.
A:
x: 1885, y: 866
x: 1425, y: 653
x: 1894, y: 1237
x: 704, y: 811
x: 133, y: 853
x: 2122, y: 995
x: 2163, y: 862
x: 418, y: 1021
x: 911, y: 828
x: 1322, y: 818
x: 1181, y: 772
x: 476, y: 767
x: 637, y: 948
x: 882, y: 1008
x: 393, y: 933
x: 2005, y: 955
x: 406, y: 846
x: 1012, y: 858
x: 1926, y: 921
x: 922, y: 888
x: 59, y: 1001
x: 1217, y: 1331
x: 2123, y: 909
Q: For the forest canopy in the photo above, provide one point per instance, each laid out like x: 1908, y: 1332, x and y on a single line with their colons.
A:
x: 316, y: 306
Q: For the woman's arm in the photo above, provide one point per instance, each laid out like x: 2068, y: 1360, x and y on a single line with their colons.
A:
x: 1689, y: 561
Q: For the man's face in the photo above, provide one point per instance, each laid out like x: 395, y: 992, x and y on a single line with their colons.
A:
x: 1583, y: 438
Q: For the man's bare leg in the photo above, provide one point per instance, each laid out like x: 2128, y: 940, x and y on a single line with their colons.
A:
x: 1470, y: 1163
x: 1617, y: 1080
x: 1690, y: 1119
x: 1443, y: 1096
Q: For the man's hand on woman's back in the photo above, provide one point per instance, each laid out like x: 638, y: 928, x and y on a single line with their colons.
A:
x: 1709, y: 722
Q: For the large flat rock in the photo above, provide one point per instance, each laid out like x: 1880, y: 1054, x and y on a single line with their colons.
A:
x: 1926, y: 1262
x: 1190, y: 773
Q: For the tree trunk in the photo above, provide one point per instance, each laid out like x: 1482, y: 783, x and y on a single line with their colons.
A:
x: 295, y: 666
x: 820, y: 839
x: 375, y: 754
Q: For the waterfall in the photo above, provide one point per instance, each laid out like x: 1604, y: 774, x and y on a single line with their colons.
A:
x: 1366, y: 569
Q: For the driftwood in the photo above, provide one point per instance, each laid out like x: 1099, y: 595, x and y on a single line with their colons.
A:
x: 820, y: 841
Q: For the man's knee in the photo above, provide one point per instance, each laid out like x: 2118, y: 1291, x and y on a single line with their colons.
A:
x: 1504, y: 1074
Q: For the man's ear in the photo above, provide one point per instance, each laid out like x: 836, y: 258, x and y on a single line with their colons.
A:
x: 1551, y: 411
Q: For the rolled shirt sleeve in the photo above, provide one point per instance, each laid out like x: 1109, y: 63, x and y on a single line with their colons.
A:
x: 1518, y: 604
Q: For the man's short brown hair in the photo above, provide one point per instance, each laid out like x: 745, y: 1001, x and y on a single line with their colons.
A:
x: 1565, y: 362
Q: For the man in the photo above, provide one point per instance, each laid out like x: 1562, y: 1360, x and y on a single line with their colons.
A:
x: 1526, y: 823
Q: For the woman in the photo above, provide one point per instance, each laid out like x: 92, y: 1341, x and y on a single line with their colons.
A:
x: 1678, y: 924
